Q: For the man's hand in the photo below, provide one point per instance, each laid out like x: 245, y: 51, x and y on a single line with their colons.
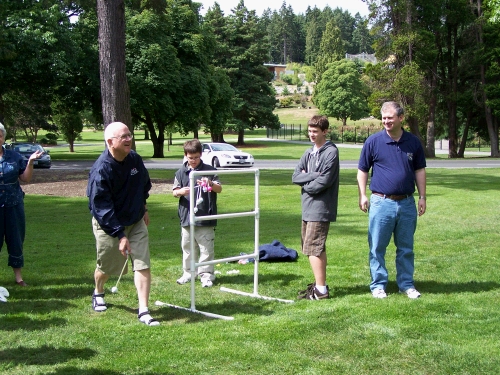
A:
x: 422, y: 205
x: 364, y: 204
x: 124, y: 246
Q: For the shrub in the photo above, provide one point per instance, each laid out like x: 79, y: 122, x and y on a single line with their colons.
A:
x: 288, y: 78
x: 49, y: 139
x: 334, y: 134
x: 286, y: 102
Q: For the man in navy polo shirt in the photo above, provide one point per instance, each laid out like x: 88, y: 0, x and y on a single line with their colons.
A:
x: 397, y: 162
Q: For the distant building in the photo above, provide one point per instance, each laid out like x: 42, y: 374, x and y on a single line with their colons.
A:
x: 276, y: 69
x: 366, y: 57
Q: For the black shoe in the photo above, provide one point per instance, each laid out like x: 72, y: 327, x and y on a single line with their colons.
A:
x: 309, y: 286
x: 314, y: 294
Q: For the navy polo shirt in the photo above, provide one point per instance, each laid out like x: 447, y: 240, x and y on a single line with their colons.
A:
x: 393, y: 164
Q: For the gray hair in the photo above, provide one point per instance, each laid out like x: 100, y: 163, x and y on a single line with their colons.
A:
x: 395, y: 105
x: 2, y: 129
x: 110, y: 130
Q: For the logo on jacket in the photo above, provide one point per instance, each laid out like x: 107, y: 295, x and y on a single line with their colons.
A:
x: 134, y: 171
x: 410, y: 156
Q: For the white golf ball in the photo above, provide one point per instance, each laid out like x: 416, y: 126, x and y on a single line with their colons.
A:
x: 114, y: 289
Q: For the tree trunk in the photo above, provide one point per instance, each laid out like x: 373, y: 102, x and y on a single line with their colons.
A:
x: 492, y: 129
x: 463, y: 142
x: 218, y: 137
x: 430, y: 148
x: 114, y: 87
x: 452, y: 129
x: 241, y: 137
x: 157, y: 140
x: 452, y: 89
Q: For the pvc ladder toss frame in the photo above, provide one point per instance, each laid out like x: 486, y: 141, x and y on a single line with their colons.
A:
x: 192, y: 224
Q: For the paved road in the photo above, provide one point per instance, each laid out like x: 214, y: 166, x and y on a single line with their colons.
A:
x: 290, y: 164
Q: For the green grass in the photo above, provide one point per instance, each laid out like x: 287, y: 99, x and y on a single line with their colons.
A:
x: 50, y: 328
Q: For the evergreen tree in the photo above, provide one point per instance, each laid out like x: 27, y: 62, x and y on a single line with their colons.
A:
x: 245, y: 50
x: 361, y: 38
x: 313, y: 31
x: 331, y: 49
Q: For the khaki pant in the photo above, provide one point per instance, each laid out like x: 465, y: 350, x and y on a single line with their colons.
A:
x: 204, y: 238
x: 110, y: 260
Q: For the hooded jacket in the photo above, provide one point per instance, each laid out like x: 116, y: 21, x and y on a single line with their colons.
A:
x: 318, y: 175
x: 208, y: 205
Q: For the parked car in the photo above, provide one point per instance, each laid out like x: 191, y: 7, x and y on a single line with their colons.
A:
x: 225, y: 155
x: 26, y: 149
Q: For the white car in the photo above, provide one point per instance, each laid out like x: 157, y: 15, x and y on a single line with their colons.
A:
x: 225, y: 155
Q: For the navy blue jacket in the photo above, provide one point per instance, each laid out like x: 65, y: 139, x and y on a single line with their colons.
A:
x: 118, y: 191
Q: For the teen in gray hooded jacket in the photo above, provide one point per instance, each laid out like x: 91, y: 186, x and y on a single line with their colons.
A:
x: 318, y: 175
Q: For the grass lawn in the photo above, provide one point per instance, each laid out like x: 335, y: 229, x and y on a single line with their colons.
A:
x: 50, y: 327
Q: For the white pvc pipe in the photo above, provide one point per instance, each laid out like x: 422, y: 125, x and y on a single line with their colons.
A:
x: 192, y: 225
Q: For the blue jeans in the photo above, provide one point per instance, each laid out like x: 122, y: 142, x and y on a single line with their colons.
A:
x: 387, y: 217
x: 13, y: 230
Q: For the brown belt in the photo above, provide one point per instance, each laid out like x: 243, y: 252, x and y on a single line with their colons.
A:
x: 393, y: 197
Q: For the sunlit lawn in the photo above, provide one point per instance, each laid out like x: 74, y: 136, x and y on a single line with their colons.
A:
x: 50, y: 328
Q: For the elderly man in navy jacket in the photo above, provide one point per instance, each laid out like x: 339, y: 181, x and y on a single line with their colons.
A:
x: 118, y: 188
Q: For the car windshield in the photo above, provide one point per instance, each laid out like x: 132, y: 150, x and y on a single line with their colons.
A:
x: 224, y: 148
x: 28, y: 148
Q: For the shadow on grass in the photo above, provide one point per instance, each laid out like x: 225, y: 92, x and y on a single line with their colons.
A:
x: 436, y: 287
x: 13, y: 323
x: 49, y: 289
x: 44, y: 355
x: 273, y: 279
x: 94, y: 371
x: 37, y: 306
x: 338, y: 292
x: 464, y: 180
x: 248, y: 306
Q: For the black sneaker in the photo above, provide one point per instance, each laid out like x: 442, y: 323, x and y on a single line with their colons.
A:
x: 314, y: 294
x: 309, y: 286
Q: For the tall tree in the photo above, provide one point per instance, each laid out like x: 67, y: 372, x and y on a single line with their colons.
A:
x: 245, y: 50
x: 154, y: 73
x: 331, y: 49
x: 491, y: 121
x: 362, y: 40
x: 38, y: 55
x: 114, y: 86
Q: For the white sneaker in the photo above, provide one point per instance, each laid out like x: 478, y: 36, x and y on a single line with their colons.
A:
x: 184, y: 279
x: 206, y: 283
x: 4, y: 292
x: 411, y: 293
x: 379, y: 293
x: 2, y: 298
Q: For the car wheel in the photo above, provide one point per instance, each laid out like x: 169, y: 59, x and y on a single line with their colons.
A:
x: 215, y: 163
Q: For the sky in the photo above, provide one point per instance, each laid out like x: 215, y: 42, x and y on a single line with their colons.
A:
x: 298, y: 6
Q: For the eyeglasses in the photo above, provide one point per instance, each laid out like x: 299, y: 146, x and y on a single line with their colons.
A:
x: 193, y: 158
x: 125, y: 137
